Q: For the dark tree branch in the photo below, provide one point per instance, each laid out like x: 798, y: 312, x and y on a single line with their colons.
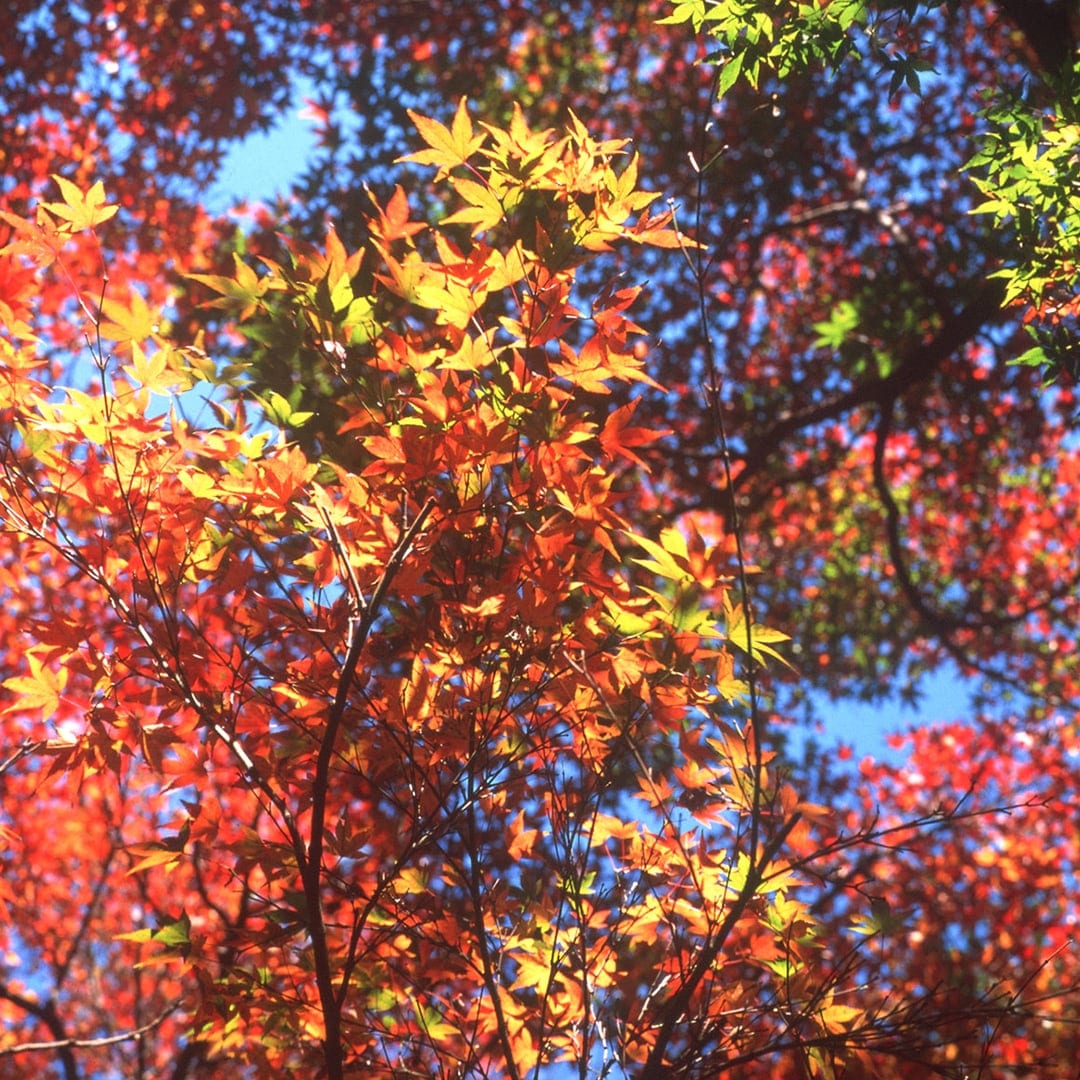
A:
x: 942, y: 624
x: 916, y: 368
x: 47, y: 1014
x: 1049, y: 28
x: 360, y: 625
x: 674, y: 1010
x: 65, y: 1045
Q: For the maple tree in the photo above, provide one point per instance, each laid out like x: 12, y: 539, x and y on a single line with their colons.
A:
x: 408, y: 736
x: 353, y: 737
x: 846, y: 275
x: 836, y: 207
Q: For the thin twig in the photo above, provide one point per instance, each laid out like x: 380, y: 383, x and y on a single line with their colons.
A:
x: 89, y: 1044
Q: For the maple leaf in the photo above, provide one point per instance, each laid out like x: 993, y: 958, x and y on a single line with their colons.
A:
x: 618, y: 437
x: 81, y: 210
x: 483, y: 209
x: 40, y: 240
x: 127, y: 322
x: 240, y: 293
x: 758, y: 639
x: 449, y: 147
x: 392, y: 222
x: 40, y: 689
x: 670, y: 556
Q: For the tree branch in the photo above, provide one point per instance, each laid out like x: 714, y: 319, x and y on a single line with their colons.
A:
x: 655, y: 1067
x: 1049, y: 28
x: 943, y: 624
x: 66, y: 1045
x: 48, y: 1015
x: 311, y: 868
x: 914, y: 369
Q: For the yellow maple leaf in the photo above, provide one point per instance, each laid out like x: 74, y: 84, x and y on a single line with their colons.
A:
x: 129, y: 321
x: 449, y: 146
x: 80, y: 210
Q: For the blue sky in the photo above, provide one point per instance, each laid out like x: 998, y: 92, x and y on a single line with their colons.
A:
x: 263, y: 165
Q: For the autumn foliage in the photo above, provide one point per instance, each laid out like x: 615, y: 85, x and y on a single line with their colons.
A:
x: 420, y: 716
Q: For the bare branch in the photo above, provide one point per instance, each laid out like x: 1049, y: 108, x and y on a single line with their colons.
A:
x: 80, y: 1044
